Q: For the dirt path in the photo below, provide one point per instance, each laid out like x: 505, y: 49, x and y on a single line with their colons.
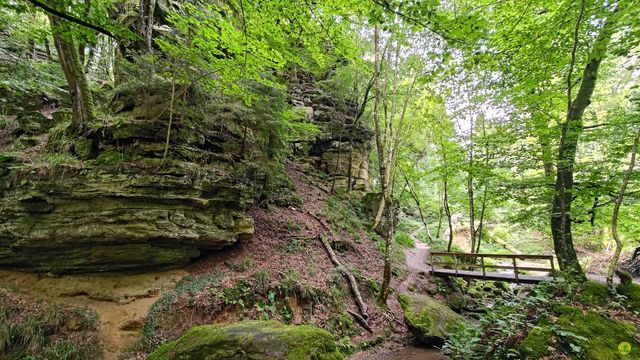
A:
x: 122, y: 302
x: 415, y: 260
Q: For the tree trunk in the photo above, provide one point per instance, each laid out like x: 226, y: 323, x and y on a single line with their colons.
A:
x: 616, y: 210
x: 571, y: 130
x: 472, y: 212
x: 481, y: 224
x: 389, y: 231
x: 447, y: 212
x: 81, y: 99
x: 440, y: 211
x: 378, y: 130
x: 386, y: 278
x: 145, y: 23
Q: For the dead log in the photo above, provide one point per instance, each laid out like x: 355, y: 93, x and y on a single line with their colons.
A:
x: 361, y: 320
x: 334, y: 259
x: 352, y: 281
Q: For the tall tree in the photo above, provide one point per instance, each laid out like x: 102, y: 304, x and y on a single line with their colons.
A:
x: 81, y: 98
x: 571, y: 130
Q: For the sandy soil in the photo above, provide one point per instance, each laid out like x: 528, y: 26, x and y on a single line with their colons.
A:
x: 122, y: 302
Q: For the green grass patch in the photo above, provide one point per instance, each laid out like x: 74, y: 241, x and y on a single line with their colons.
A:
x: 403, y: 239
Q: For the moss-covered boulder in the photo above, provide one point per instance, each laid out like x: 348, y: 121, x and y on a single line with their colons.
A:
x: 429, y: 320
x: 585, y: 334
x: 632, y: 295
x: 251, y: 340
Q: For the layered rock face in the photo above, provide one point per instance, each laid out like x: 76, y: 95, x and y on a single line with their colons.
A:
x: 342, y: 148
x: 124, y: 208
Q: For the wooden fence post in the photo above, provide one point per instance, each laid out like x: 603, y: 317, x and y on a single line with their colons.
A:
x: 455, y: 263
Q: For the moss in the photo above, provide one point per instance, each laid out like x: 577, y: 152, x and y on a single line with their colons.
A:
x: 536, y: 344
x: 596, y: 336
x: 429, y: 320
x: 111, y: 157
x: 251, y: 340
x: 602, y: 335
x: 632, y: 293
x: 84, y: 148
x: 594, y: 293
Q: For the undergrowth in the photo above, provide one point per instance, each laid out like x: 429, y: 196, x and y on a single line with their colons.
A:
x: 51, y: 332
x: 552, y: 319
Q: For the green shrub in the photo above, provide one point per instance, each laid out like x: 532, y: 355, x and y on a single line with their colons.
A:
x: 403, y: 239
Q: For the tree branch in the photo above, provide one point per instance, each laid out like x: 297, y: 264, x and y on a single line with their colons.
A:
x: 385, y: 4
x: 71, y: 18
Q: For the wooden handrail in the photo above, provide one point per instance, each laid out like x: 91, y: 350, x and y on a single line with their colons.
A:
x: 504, y: 256
x: 491, y: 266
x: 472, y: 265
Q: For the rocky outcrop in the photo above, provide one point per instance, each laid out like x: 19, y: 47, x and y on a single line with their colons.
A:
x: 268, y: 340
x: 99, y: 219
x: 342, y: 148
x: 429, y: 320
x: 117, y: 205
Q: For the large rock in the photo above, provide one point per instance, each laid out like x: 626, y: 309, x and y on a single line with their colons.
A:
x: 251, y: 340
x: 124, y: 207
x: 429, y: 320
x: 101, y: 219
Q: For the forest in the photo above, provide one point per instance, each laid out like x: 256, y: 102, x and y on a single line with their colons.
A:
x: 319, y: 179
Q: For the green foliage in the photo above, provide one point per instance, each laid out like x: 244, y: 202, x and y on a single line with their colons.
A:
x: 262, y: 279
x: 344, y: 211
x: 42, y: 333
x: 403, y: 239
x: 187, y: 286
x: 542, y: 324
x: 241, y: 266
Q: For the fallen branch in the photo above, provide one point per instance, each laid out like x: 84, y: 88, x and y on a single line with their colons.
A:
x: 361, y: 320
x: 352, y: 281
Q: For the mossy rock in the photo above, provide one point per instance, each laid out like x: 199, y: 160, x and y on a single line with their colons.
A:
x: 593, y: 293
x: 597, y: 336
x: 632, y: 292
x: 251, y: 340
x: 429, y: 320
x: 111, y: 157
x: 32, y: 123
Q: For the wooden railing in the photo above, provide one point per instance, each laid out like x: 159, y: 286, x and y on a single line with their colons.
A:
x: 472, y: 263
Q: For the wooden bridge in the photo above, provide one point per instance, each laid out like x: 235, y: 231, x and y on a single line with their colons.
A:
x: 466, y: 265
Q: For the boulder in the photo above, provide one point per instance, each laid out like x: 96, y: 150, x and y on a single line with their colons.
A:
x: 251, y: 340
x: 429, y: 320
x: 32, y: 123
